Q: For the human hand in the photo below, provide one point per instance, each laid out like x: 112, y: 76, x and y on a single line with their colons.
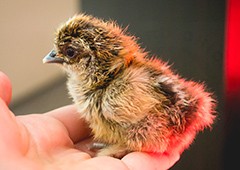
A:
x: 58, y: 139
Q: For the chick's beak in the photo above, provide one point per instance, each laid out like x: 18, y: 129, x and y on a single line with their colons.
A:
x: 51, y: 58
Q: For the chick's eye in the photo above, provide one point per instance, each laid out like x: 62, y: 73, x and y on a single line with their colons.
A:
x: 70, y: 52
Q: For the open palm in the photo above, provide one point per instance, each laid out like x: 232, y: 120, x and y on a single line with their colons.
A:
x: 58, y: 139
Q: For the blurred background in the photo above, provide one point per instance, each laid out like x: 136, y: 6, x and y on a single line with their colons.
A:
x: 188, y: 34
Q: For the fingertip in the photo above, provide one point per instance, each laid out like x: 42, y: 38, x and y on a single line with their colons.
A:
x: 103, y: 162
x: 138, y: 160
x: 141, y: 160
x: 5, y: 88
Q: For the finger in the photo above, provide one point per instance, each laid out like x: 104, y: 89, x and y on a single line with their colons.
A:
x: 11, y: 132
x: 140, y: 160
x: 5, y: 88
x: 103, y: 162
x: 77, y: 128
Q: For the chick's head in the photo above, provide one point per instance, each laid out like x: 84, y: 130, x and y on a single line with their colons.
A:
x: 87, y: 45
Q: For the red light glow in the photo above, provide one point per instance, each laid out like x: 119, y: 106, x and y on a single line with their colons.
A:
x: 232, y: 51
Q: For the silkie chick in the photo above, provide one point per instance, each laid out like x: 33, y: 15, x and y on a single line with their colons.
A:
x: 131, y: 102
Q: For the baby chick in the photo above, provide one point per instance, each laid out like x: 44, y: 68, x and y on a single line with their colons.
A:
x: 131, y: 102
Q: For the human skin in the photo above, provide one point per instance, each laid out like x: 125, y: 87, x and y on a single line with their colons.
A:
x: 59, y: 139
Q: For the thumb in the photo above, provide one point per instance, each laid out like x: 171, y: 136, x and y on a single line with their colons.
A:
x: 11, y: 132
x: 5, y: 88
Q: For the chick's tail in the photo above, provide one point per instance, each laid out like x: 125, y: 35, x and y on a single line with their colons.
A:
x: 201, y: 117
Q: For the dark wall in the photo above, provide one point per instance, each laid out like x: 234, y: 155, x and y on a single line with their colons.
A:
x: 189, y: 34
